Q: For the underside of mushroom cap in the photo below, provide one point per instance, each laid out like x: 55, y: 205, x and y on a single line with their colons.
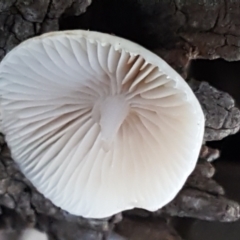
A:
x: 97, y: 123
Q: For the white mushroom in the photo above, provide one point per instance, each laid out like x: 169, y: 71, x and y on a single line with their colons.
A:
x: 98, y: 123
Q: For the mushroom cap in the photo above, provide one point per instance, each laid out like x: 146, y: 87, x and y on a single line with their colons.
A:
x: 98, y: 123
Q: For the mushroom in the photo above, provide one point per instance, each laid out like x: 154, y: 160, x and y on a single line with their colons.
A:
x: 97, y: 123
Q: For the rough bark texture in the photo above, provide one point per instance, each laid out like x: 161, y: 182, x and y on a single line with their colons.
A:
x: 198, y: 204
x: 206, y: 29
x: 22, y: 19
x: 222, y: 117
x: 142, y: 229
x: 178, y: 31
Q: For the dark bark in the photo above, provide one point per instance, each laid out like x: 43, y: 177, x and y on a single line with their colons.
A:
x: 142, y: 229
x: 206, y: 29
x: 22, y: 19
x: 178, y: 30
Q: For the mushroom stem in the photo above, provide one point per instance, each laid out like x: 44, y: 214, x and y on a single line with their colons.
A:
x: 112, y: 112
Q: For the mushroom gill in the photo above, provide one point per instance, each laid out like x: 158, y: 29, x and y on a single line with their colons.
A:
x: 97, y: 123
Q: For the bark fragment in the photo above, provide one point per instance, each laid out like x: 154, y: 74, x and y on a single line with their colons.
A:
x: 201, y: 205
x: 209, y: 154
x: 222, y: 117
x: 205, y: 184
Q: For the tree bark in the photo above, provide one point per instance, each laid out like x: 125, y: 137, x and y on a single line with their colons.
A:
x: 179, y: 30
